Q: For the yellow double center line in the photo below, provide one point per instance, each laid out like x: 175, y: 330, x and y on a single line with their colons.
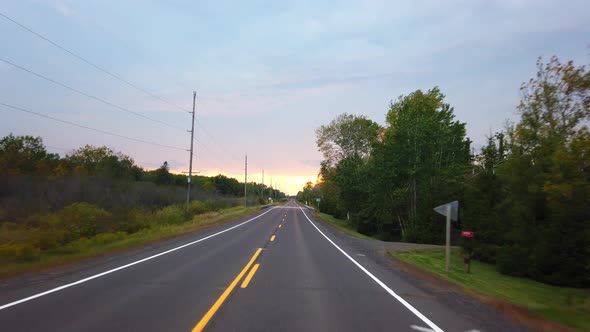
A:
x: 201, y: 325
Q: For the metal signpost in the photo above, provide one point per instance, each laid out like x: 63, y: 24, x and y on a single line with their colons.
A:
x: 451, y: 211
x: 318, y: 200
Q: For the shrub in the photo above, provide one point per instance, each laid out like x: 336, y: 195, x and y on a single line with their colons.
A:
x: 46, y: 239
x: 83, y: 219
x: 134, y: 220
x: 198, y: 207
x: 486, y: 252
x: 22, y: 252
x: 12, y: 233
x: 76, y: 245
x: 104, y: 238
x: 173, y: 214
x: 513, y: 260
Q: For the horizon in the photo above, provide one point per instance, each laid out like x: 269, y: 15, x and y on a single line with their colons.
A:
x: 267, y: 76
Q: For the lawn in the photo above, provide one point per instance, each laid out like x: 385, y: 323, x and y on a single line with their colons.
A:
x: 113, y: 242
x: 568, y: 306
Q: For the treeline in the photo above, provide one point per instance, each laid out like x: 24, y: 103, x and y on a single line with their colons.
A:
x: 48, y: 202
x: 526, y: 194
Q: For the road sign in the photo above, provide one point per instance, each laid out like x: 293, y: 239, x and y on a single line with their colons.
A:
x: 442, y: 209
x: 317, y: 200
x: 467, y: 234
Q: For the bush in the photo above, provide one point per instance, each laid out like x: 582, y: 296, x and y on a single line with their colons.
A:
x: 105, y: 238
x: 46, y: 239
x: 198, y: 207
x: 173, y: 214
x: 76, y: 245
x: 12, y: 233
x: 83, y: 219
x: 486, y: 252
x: 513, y: 260
x: 134, y: 220
x: 22, y: 252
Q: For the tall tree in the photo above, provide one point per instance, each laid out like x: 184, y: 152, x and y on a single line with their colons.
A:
x: 346, y: 144
x: 418, y: 165
x: 25, y: 155
x: 548, y: 177
x: 347, y: 135
x: 163, y: 176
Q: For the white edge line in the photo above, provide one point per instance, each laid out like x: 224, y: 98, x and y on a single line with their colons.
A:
x: 379, y: 282
x: 420, y: 328
x: 53, y: 290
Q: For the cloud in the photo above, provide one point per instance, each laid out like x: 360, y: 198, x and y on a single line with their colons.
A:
x: 63, y: 7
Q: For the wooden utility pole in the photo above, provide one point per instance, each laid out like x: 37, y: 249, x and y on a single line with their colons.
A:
x: 245, y: 181
x: 190, y: 163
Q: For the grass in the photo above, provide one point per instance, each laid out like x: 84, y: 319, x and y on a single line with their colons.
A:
x: 568, y: 306
x: 84, y: 249
x: 342, y: 225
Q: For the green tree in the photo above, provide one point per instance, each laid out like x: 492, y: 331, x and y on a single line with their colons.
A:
x: 228, y: 186
x: 547, y: 175
x: 103, y: 161
x: 163, y: 176
x: 346, y: 144
x: 347, y: 135
x: 484, y: 207
x: 418, y: 165
x: 25, y: 155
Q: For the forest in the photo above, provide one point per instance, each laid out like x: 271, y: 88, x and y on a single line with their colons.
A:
x: 525, y: 193
x: 52, y: 204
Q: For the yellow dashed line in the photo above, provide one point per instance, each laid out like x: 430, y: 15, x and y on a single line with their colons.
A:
x: 249, y: 276
x: 201, y: 325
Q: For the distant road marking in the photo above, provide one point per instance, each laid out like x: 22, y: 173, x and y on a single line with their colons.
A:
x: 379, y: 282
x: 250, y: 275
x: 272, y: 238
x: 420, y: 328
x: 201, y: 325
x: 56, y: 289
x: 280, y: 225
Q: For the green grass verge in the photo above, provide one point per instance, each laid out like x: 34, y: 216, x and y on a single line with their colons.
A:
x: 120, y: 241
x: 568, y: 306
x: 342, y: 225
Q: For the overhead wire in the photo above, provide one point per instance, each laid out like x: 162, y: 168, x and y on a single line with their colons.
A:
x: 90, y: 128
x: 218, y: 144
x: 88, y: 95
x: 81, y: 58
x: 109, y: 73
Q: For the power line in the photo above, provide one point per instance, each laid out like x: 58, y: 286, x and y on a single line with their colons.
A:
x: 214, y: 161
x: 79, y: 57
x: 218, y: 144
x: 90, y: 128
x: 89, y: 95
x: 113, y: 75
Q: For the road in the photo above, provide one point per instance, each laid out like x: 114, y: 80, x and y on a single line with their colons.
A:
x: 301, y: 277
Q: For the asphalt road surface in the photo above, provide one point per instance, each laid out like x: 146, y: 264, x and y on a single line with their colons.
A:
x: 279, y: 269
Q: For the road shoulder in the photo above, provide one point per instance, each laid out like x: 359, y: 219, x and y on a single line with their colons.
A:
x: 488, y: 316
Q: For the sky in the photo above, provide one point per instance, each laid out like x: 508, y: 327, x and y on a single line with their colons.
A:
x: 266, y: 73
